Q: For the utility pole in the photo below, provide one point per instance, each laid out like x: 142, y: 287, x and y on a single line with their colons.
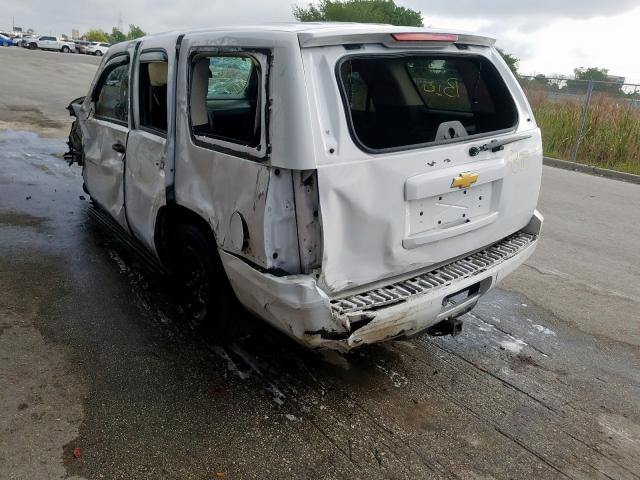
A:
x: 120, y: 21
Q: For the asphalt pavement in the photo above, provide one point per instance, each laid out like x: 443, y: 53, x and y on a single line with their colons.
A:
x: 36, y: 85
x: 100, y: 377
x: 587, y: 269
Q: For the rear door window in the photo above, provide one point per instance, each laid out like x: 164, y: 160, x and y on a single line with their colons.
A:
x: 225, y: 98
x: 152, y: 95
x: 408, y: 101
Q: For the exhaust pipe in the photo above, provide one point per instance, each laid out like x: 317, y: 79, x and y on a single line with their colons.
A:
x: 450, y: 326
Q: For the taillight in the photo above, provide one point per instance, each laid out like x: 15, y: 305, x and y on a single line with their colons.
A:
x: 424, y: 37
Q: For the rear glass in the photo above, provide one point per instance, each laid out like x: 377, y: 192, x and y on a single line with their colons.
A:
x: 396, y: 102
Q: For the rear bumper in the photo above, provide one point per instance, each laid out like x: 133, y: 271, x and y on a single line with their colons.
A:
x: 299, y: 308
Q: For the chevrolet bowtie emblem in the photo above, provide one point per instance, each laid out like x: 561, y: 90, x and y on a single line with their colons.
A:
x: 464, y: 180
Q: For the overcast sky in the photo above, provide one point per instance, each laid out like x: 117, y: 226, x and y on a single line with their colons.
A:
x: 549, y: 36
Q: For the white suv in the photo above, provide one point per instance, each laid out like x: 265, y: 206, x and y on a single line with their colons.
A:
x: 346, y: 183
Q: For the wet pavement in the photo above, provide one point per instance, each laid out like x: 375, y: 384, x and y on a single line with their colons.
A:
x: 100, y: 377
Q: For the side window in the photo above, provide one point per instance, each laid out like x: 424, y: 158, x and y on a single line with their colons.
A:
x: 112, y: 96
x: 359, y: 97
x: 152, y: 95
x: 225, y: 98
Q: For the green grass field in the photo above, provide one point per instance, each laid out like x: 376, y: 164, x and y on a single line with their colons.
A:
x: 612, y: 132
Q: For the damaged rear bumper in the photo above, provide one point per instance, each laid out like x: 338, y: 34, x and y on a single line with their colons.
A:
x: 299, y: 308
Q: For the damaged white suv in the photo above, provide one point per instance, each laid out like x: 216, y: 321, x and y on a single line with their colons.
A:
x: 346, y: 183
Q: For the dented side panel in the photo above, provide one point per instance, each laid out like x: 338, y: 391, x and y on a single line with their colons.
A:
x: 243, y: 192
x: 104, y: 168
x: 147, y: 153
x: 305, y: 185
x: 144, y: 183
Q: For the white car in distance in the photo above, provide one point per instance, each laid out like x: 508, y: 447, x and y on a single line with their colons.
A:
x: 98, y: 48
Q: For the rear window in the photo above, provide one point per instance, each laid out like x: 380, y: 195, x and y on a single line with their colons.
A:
x: 408, y: 101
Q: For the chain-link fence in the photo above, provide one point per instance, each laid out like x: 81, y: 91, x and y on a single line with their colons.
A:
x: 588, y: 121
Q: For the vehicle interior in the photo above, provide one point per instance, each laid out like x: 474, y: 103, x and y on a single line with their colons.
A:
x: 413, y: 100
x: 153, y: 95
x: 225, y: 94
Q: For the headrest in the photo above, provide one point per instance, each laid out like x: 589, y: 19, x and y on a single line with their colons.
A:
x: 158, y: 74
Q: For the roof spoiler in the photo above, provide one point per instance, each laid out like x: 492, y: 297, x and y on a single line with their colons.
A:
x: 309, y: 39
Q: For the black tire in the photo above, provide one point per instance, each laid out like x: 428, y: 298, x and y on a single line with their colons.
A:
x: 98, y: 53
x: 65, y: 49
x: 204, y: 292
x: 33, y: 46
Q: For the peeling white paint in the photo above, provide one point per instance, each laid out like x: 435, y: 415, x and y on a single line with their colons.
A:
x: 543, y: 329
x: 513, y: 345
x: 397, y: 379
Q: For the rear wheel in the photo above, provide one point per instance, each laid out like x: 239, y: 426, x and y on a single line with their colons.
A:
x: 204, y: 292
x: 98, y: 53
x: 33, y: 46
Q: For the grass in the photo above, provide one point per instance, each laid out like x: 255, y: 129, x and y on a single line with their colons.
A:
x: 612, y: 130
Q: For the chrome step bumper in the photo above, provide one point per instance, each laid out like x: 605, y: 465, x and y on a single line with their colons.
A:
x: 435, y: 279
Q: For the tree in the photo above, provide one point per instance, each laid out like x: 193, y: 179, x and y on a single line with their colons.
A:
x: 598, y: 75
x: 135, y: 32
x: 116, y: 36
x: 511, y: 60
x: 366, y: 11
x: 591, y: 73
x: 96, y: 35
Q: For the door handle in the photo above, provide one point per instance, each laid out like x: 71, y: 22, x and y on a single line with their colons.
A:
x: 118, y: 147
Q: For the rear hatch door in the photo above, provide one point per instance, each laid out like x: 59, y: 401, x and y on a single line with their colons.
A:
x: 407, y: 175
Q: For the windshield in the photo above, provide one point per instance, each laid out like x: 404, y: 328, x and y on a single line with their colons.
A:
x: 405, y: 101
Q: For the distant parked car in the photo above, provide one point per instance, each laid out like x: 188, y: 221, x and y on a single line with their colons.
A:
x: 81, y: 46
x: 25, y: 40
x: 98, y: 48
x: 51, y: 43
x: 6, y: 41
